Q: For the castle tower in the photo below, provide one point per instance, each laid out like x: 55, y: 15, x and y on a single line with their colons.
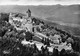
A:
x: 29, y: 13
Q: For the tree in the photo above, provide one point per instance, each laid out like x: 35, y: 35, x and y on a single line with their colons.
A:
x: 5, y: 17
x: 29, y: 36
x: 70, y: 40
x: 55, y: 52
x: 62, y: 53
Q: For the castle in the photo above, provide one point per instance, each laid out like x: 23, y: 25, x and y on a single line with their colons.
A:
x: 23, y: 23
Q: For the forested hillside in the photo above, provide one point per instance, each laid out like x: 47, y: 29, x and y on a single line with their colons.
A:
x: 47, y: 40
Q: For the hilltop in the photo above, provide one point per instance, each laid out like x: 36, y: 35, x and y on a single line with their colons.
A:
x: 21, y: 36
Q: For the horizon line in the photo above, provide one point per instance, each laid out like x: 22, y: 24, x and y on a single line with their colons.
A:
x: 40, y: 4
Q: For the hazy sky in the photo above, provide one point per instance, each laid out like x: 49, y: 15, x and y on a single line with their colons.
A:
x: 38, y: 2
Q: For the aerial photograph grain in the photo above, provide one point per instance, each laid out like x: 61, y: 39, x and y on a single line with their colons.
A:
x: 39, y: 28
